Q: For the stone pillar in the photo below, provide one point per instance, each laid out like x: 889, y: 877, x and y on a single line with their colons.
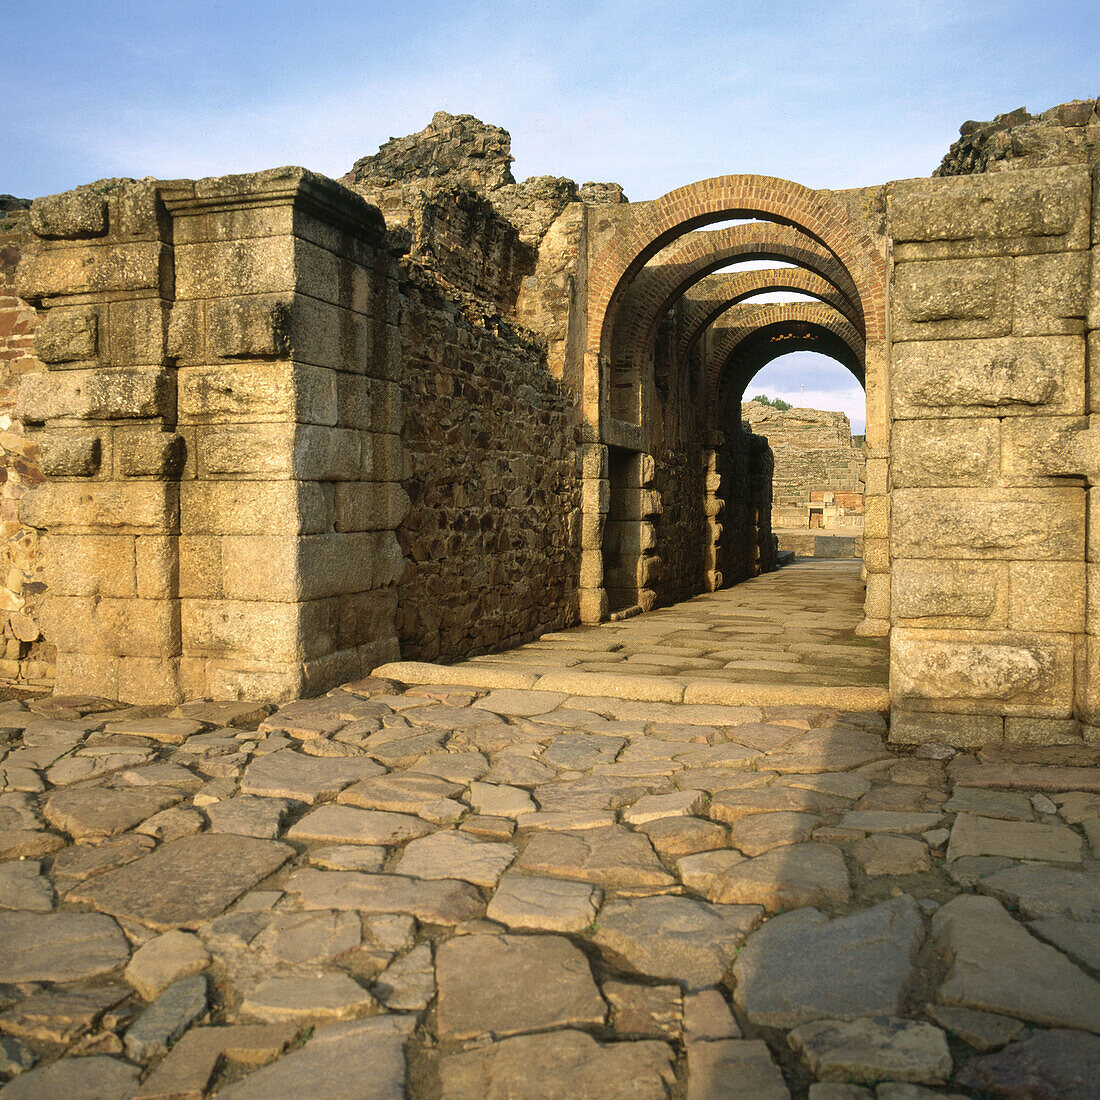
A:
x: 104, y: 416
x: 876, y: 495
x: 284, y: 330
x: 713, y: 507
x: 220, y: 424
x: 1088, y: 687
x: 650, y: 566
x: 989, y: 458
x: 595, y: 498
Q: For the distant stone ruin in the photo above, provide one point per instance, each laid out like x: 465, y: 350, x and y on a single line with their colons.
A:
x: 818, y: 479
x: 263, y: 433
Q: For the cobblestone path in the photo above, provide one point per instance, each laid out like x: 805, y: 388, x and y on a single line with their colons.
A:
x: 469, y: 891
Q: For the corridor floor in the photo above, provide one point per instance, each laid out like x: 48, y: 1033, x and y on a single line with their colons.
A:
x: 783, y: 637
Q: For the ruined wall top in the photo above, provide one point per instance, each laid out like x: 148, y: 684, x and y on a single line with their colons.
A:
x: 450, y: 149
x: 1066, y: 134
x: 460, y: 152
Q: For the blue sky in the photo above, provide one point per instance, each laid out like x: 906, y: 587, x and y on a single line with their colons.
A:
x: 832, y: 93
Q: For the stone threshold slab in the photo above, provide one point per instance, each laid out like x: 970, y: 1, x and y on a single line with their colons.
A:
x: 646, y: 689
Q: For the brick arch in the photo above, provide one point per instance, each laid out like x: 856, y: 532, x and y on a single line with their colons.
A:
x: 760, y: 334
x: 656, y: 224
x: 725, y: 291
x: 692, y: 257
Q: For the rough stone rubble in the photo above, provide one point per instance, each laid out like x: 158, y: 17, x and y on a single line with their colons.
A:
x: 1066, y: 134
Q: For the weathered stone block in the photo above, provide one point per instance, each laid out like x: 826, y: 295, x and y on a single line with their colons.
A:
x: 952, y: 299
x: 941, y: 453
x: 877, y: 477
x: 591, y: 571
x: 1050, y: 293
x: 292, y: 567
x: 305, y: 452
x: 1031, y: 211
x: 150, y: 680
x: 134, y: 332
x: 1042, y: 731
x: 257, y: 629
x: 1046, y: 596
x: 972, y: 671
x: 370, y: 505
x: 150, y: 452
x: 256, y: 327
x: 382, y: 457
x: 279, y: 326
x: 69, y: 452
x: 252, y: 508
x: 72, y: 214
x: 135, y: 209
x: 86, y: 673
x: 1088, y: 682
x: 1092, y: 600
x: 117, y: 627
x: 120, y: 393
x: 595, y: 496
x: 1093, y: 301
x: 1014, y: 524
x: 592, y: 531
x: 91, y: 565
x: 1036, y: 449
x: 876, y: 555
x: 371, y: 404
x: 1092, y: 508
x: 876, y: 517
x: 877, y: 601
x: 649, y: 571
x: 157, y: 566
x: 257, y: 392
x: 200, y: 566
x: 1092, y: 342
x: 387, y: 409
x: 231, y: 678
x: 629, y: 538
x: 67, y: 335
x: 363, y: 617
x: 74, y: 507
x: 195, y: 226
x: 220, y: 269
x: 593, y: 460
x: 949, y: 593
x: 95, y: 269
x: 592, y: 604
x: 963, y: 731
x: 1026, y: 376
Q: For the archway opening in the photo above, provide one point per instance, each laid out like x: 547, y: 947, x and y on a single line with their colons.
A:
x: 688, y: 304
x: 812, y: 411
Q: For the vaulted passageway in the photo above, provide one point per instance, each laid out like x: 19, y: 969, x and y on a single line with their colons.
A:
x: 688, y: 301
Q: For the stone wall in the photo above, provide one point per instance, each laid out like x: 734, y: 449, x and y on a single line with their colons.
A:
x: 25, y: 659
x: 991, y: 456
x: 745, y: 544
x: 490, y: 540
x: 818, y: 469
x: 681, y: 533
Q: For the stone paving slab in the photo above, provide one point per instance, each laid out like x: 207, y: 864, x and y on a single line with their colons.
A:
x: 470, y: 886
